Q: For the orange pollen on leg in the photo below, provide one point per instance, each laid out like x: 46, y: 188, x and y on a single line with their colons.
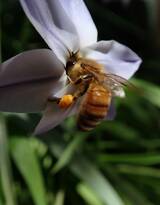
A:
x: 66, y: 101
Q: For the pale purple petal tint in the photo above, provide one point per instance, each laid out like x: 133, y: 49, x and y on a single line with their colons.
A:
x: 116, y: 58
x: 53, y: 116
x: 62, y: 24
x: 30, y: 65
x: 27, y: 97
x: 82, y: 20
x: 28, y: 79
x: 53, y: 24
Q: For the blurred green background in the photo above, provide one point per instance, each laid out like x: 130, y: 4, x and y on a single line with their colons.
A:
x: 118, y: 163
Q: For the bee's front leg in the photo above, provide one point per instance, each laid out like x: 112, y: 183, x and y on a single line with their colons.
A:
x: 70, y: 80
x: 82, y: 83
x: 87, y: 78
x: 67, y: 100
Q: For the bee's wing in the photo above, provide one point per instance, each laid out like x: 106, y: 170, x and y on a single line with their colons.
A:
x: 108, y: 78
x: 114, y: 80
x: 111, y: 112
x: 115, y: 84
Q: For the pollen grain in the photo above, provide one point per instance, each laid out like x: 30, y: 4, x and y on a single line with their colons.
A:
x: 66, y: 101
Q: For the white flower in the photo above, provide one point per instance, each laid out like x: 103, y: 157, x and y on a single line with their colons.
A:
x: 30, y: 78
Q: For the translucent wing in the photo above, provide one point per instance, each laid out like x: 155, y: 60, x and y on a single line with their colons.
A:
x: 112, y: 80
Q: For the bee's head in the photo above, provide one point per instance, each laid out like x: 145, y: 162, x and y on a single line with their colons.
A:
x: 72, y: 61
x: 70, y: 64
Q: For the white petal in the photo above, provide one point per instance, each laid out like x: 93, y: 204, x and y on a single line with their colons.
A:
x: 27, y: 97
x: 68, y: 89
x: 30, y: 65
x: 53, y: 116
x: 28, y: 79
x: 51, y: 21
x: 82, y: 20
x: 117, y: 58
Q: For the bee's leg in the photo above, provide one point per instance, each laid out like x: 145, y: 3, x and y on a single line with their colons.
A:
x: 81, y: 91
x: 78, y: 94
x: 63, y: 102
x: 70, y: 80
x: 83, y: 79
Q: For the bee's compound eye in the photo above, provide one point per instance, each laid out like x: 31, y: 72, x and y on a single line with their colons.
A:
x: 70, y: 64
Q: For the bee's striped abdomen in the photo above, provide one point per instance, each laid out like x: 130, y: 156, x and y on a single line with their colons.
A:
x: 94, y: 107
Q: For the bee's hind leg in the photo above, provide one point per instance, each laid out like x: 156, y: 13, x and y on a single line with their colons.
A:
x: 68, y: 99
x: 83, y: 82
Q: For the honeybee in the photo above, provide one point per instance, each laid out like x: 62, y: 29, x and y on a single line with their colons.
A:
x: 96, y: 87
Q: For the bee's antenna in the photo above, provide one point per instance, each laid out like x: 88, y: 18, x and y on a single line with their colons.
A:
x: 70, y: 52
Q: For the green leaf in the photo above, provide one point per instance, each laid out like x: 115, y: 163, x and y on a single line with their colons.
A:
x: 127, y: 189
x: 26, y: 160
x: 1, y: 195
x: 87, y: 172
x: 59, y: 200
x: 0, y: 201
x: 90, y: 175
x: 143, y: 159
x: 117, y: 128
x: 149, y: 91
x: 5, y: 168
x: 88, y: 195
x: 68, y: 153
x: 139, y: 171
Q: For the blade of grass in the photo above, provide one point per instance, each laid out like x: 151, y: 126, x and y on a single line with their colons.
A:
x: 26, y: 160
x: 139, y: 171
x: 143, y: 159
x: 5, y: 168
x: 68, y: 153
x: 88, y: 195
x: 87, y: 172
x: 59, y: 200
x: 127, y: 188
x: 150, y: 91
x: 90, y: 175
